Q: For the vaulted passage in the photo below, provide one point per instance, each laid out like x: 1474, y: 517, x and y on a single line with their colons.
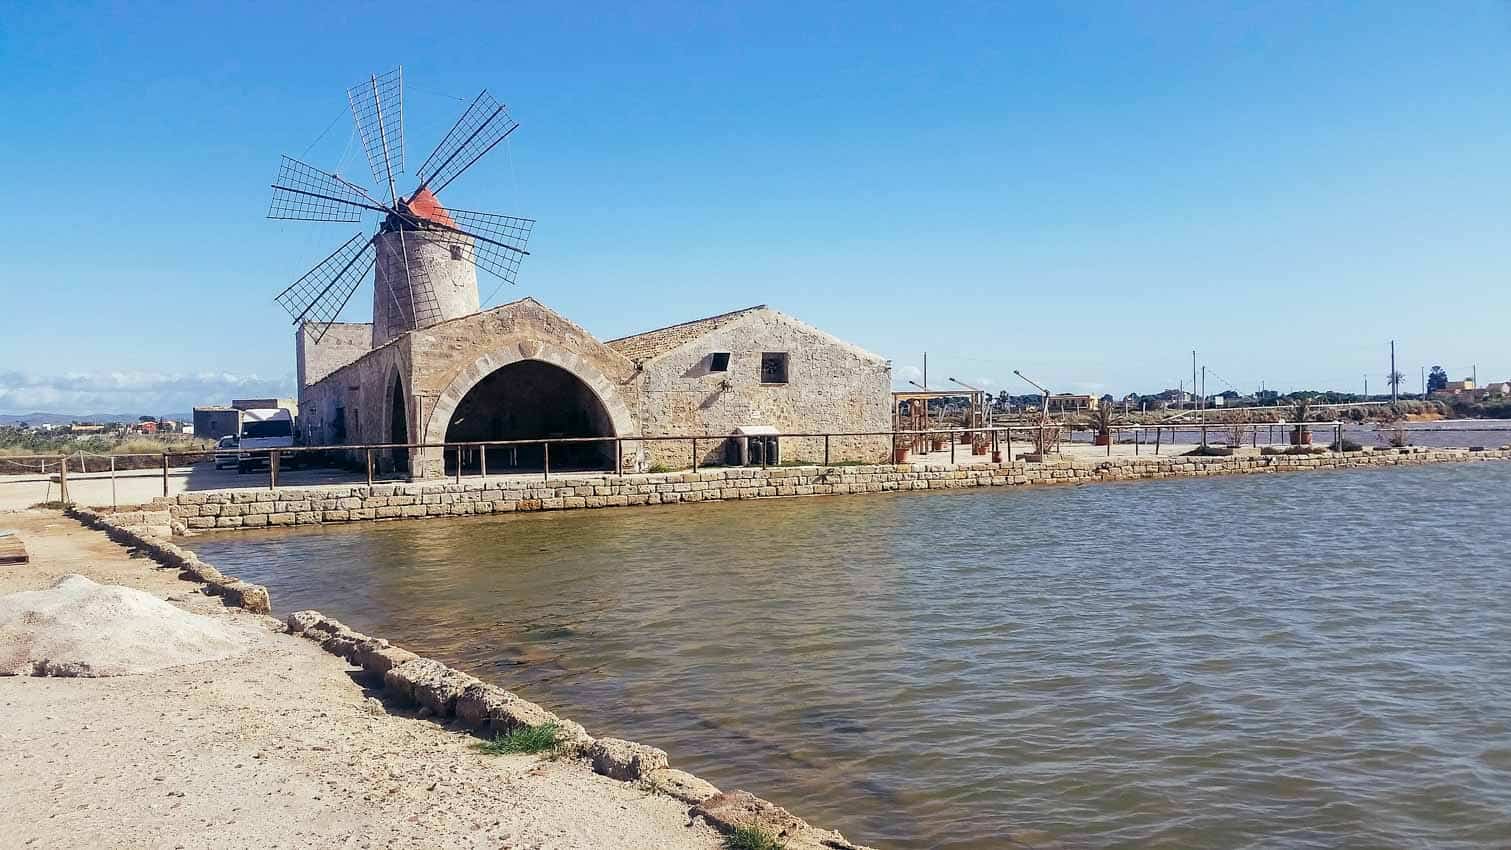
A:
x: 531, y: 400
x: 398, y: 427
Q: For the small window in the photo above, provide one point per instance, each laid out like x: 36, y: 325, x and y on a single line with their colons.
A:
x: 774, y: 367
x: 456, y: 252
x: 719, y: 362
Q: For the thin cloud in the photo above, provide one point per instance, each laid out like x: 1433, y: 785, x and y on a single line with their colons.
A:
x: 131, y: 392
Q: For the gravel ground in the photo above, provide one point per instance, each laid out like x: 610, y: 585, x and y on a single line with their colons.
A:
x: 277, y: 748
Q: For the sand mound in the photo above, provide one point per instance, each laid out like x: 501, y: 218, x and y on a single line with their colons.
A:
x: 80, y: 628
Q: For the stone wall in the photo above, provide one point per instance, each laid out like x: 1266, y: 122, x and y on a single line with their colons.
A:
x: 831, y: 386
x: 316, y: 505
x: 341, y: 344
x: 351, y: 406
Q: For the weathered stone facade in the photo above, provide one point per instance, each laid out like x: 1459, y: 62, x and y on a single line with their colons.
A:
x: 831, y: 386
x: 415, y: 389
x: 341, y: 344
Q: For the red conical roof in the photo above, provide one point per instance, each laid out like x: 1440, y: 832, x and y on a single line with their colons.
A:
x: 425, y: 205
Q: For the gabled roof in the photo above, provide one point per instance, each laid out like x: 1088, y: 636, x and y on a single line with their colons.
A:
x: 654, y: 343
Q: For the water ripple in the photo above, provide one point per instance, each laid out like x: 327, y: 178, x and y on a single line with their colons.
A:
x: 1309, y: 660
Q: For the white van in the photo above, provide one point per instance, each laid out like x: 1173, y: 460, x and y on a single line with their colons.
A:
x: 263, y: 428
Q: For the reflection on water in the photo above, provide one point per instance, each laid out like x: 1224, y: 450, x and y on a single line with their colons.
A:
x: 1309, y: 660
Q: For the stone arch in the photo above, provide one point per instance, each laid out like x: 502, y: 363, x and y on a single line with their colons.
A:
x: 397, y: 424
x: 444, y: 408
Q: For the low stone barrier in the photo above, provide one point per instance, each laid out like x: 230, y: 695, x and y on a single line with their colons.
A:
x: 227, y: 509
x: 136, y: 529
x: 445, y: 694
x: 449, y: 695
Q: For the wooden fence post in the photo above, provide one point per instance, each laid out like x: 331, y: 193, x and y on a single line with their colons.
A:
x: 62, y: 477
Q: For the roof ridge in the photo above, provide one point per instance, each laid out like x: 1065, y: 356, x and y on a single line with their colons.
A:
x: 727, y: 315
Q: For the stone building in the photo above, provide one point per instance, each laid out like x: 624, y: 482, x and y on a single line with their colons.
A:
x: 521, y: 372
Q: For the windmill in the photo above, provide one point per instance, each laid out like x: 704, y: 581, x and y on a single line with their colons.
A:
x: 424, y: 256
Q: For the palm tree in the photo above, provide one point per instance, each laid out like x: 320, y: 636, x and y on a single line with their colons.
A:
x: 1301, y: 409
x: 1099, y: 420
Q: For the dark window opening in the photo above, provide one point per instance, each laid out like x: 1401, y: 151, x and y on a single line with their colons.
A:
x: 774, y: 367
x: 273, y: 428
x: 456, y: 252
x: 719, y: 362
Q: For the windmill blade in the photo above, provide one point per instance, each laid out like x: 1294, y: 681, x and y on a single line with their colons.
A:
x: 492, y: 242
x: 305, y: 193
x: 319, y: 295
x: 378, y: 108
x: 485, y: 123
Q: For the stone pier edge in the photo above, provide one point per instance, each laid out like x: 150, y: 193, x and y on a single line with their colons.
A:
x: 324, y: 504
x: 447, y: 695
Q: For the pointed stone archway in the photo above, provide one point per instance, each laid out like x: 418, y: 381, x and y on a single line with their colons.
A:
x: 612, y: 416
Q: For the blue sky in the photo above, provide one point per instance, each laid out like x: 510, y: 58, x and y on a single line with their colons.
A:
x: 1085, y: 191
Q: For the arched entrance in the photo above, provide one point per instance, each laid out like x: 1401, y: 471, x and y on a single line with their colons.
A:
x: 398, y: 426
x: 531, y: 400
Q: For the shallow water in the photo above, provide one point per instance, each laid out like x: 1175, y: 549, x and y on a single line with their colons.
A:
x: 1307, y: 660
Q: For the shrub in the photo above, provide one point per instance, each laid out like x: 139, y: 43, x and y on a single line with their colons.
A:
x: 752, y: 838
x: 523, y: 741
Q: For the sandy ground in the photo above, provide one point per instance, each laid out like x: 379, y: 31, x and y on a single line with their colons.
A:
x: 276, y: 748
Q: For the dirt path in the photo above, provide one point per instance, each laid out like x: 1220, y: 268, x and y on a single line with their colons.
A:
x: 279, y: 748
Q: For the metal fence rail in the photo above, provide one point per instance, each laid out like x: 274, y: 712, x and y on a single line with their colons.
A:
x: 997, y: 437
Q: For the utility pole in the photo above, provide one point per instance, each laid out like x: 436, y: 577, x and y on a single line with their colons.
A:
x: 1395, y: 380
x: 1204, y: 387
x: 1193, y: 372
x: 1474, y: 374
x: 1424, y: 382
x: 1366, y: 386
x: 925, y: 371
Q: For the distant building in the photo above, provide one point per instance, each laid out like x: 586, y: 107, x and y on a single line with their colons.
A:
x: 1071, y: 403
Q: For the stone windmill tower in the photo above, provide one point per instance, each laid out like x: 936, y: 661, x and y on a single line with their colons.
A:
x: 424, y: 257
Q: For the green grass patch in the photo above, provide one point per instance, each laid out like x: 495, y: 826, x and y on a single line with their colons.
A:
x: 752, y: 838
x: 526, y: 740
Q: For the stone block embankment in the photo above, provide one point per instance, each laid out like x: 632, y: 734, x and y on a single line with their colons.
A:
x: 449, y: 695
x: 230, y: 509
x: 145, y: 531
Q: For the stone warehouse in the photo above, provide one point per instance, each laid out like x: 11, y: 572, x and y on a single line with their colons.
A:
x: 520, y: 371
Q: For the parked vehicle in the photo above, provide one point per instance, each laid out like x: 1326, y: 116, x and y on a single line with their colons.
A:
x: 226, y: 455
x: 263, y: 428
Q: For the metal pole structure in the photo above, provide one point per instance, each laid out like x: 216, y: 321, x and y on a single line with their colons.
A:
x: 272, y: 471
x: 1395, y: 385
x: 826, y: 450
x: 112, y: 481
x: 458, y: 464
x: 952, y: 446
x: 369, y: 454
x: 165, y: 475
x: 547, y: 456
x: 1193, y: 373
x: 695, y: 454
x: 1158, y: 432
x: 62, y: 478
x: 619, y: 456
x: 482, y: 460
